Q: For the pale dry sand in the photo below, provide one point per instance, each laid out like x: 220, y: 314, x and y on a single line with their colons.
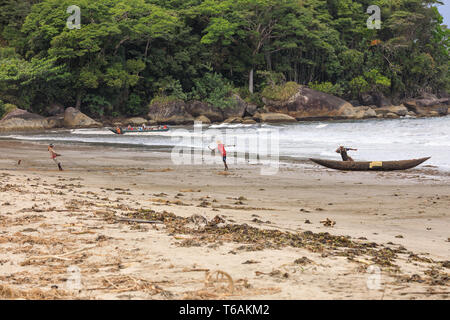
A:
x: 51, y: 221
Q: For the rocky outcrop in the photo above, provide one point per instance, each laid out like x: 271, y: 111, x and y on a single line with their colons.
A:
x: 54, y: 109
x: 428, y: 107
x: 74, y: 118
x: 233, y: 120
x: 20, y: 120
x: 364, y: 112
x: 203, y: 120
x: 172, y: 113
x: 272, y: 117
x: 238, y: 110
x: 198, y: 108
x: 136, y: 121
x: 309, y: 104
x: 251, y: 109
x: 398, y: 110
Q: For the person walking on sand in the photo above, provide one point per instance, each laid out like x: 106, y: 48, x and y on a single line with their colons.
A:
x: 53, y: 156
x: 222, y: 151
x: 343, y: 151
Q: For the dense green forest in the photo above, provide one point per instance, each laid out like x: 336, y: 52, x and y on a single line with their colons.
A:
x: 129, y: 53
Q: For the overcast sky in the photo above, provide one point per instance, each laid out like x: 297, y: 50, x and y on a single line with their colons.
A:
x: 445, y: 11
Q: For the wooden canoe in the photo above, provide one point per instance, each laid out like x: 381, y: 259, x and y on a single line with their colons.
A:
x: 370, y: 165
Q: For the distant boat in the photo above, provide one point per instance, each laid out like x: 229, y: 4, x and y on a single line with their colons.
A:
x: 370, y: 165
x: 139, y: 130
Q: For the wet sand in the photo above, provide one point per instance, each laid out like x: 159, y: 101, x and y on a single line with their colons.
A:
x: 304, y: 233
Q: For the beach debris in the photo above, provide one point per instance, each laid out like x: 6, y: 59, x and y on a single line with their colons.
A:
x: 250, y: 262
x: 198, y: 219
x: 162, y: 194
x: 125, y: 283
x: 274, y: 273
x: 303, y: 260
x: 137, y: 220
x: 307, y: 221
x: 328, y: 223
x: 399, y: 236
x: 213, y: 278
x: 7, y: 292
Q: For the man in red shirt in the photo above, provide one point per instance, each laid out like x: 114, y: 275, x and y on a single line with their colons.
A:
x: 223, y: 152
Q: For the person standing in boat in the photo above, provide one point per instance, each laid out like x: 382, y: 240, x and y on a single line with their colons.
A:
x: 343, y: 151
x: 53, y: 156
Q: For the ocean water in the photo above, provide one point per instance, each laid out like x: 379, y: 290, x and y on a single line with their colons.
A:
x: 376, y: 140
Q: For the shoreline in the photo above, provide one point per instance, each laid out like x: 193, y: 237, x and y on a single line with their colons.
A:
x: 397, y: 222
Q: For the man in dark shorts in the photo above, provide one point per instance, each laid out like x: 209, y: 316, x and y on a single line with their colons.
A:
x: 343, y: 151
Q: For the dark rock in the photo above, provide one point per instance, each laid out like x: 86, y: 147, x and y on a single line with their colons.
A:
x: 55, y: 109
x: 198, y: 108
x: 309, y: 104
x: 398, y: 110
x: 238, y: 110
x: 251, y: 109
x: 428, y: 107
x: 19, y: 119
x: 381, y: 101
x: 173, y: 113
x: 276, y: 117
x: 74, y: 118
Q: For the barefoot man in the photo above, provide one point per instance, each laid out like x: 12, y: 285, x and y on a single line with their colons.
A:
x: 53, y: 156
x: 222, y: 151
x: 343, y: 151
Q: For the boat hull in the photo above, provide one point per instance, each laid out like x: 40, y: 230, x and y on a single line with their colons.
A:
x: 370, y: 165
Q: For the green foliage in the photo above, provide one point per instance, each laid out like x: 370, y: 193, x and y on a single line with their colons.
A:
x: 358, y: 86
x: 172, y: 89
x: 95, y: 105
x: 327, y: 87
x: 2, y: 109
x: 214, y: 89
x: 6, y: 108
x: 135, y: 107
x: 128, y: 51
x: 372, y: 82
x: 280, y: 92
x: 271, y: 78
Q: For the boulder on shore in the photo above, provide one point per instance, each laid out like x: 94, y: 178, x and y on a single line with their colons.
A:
x: 233, y: 120
x: 364, y: 112
x: 251, y: 109
x: 249, y: 121
x: 74, y: 118
x: 203, y: 120
x: 135, y: 121
x: 309, y: 104
x: 198, y: 108
x: 18, y: 120
x: 172, y: 113
x: 238, y: 110
x: 398, y: 110
x: 54, y: 109
x: 428, y: 107
x: 273, y: 117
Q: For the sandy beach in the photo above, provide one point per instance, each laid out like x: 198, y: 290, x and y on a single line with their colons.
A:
x: 305, y: 233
